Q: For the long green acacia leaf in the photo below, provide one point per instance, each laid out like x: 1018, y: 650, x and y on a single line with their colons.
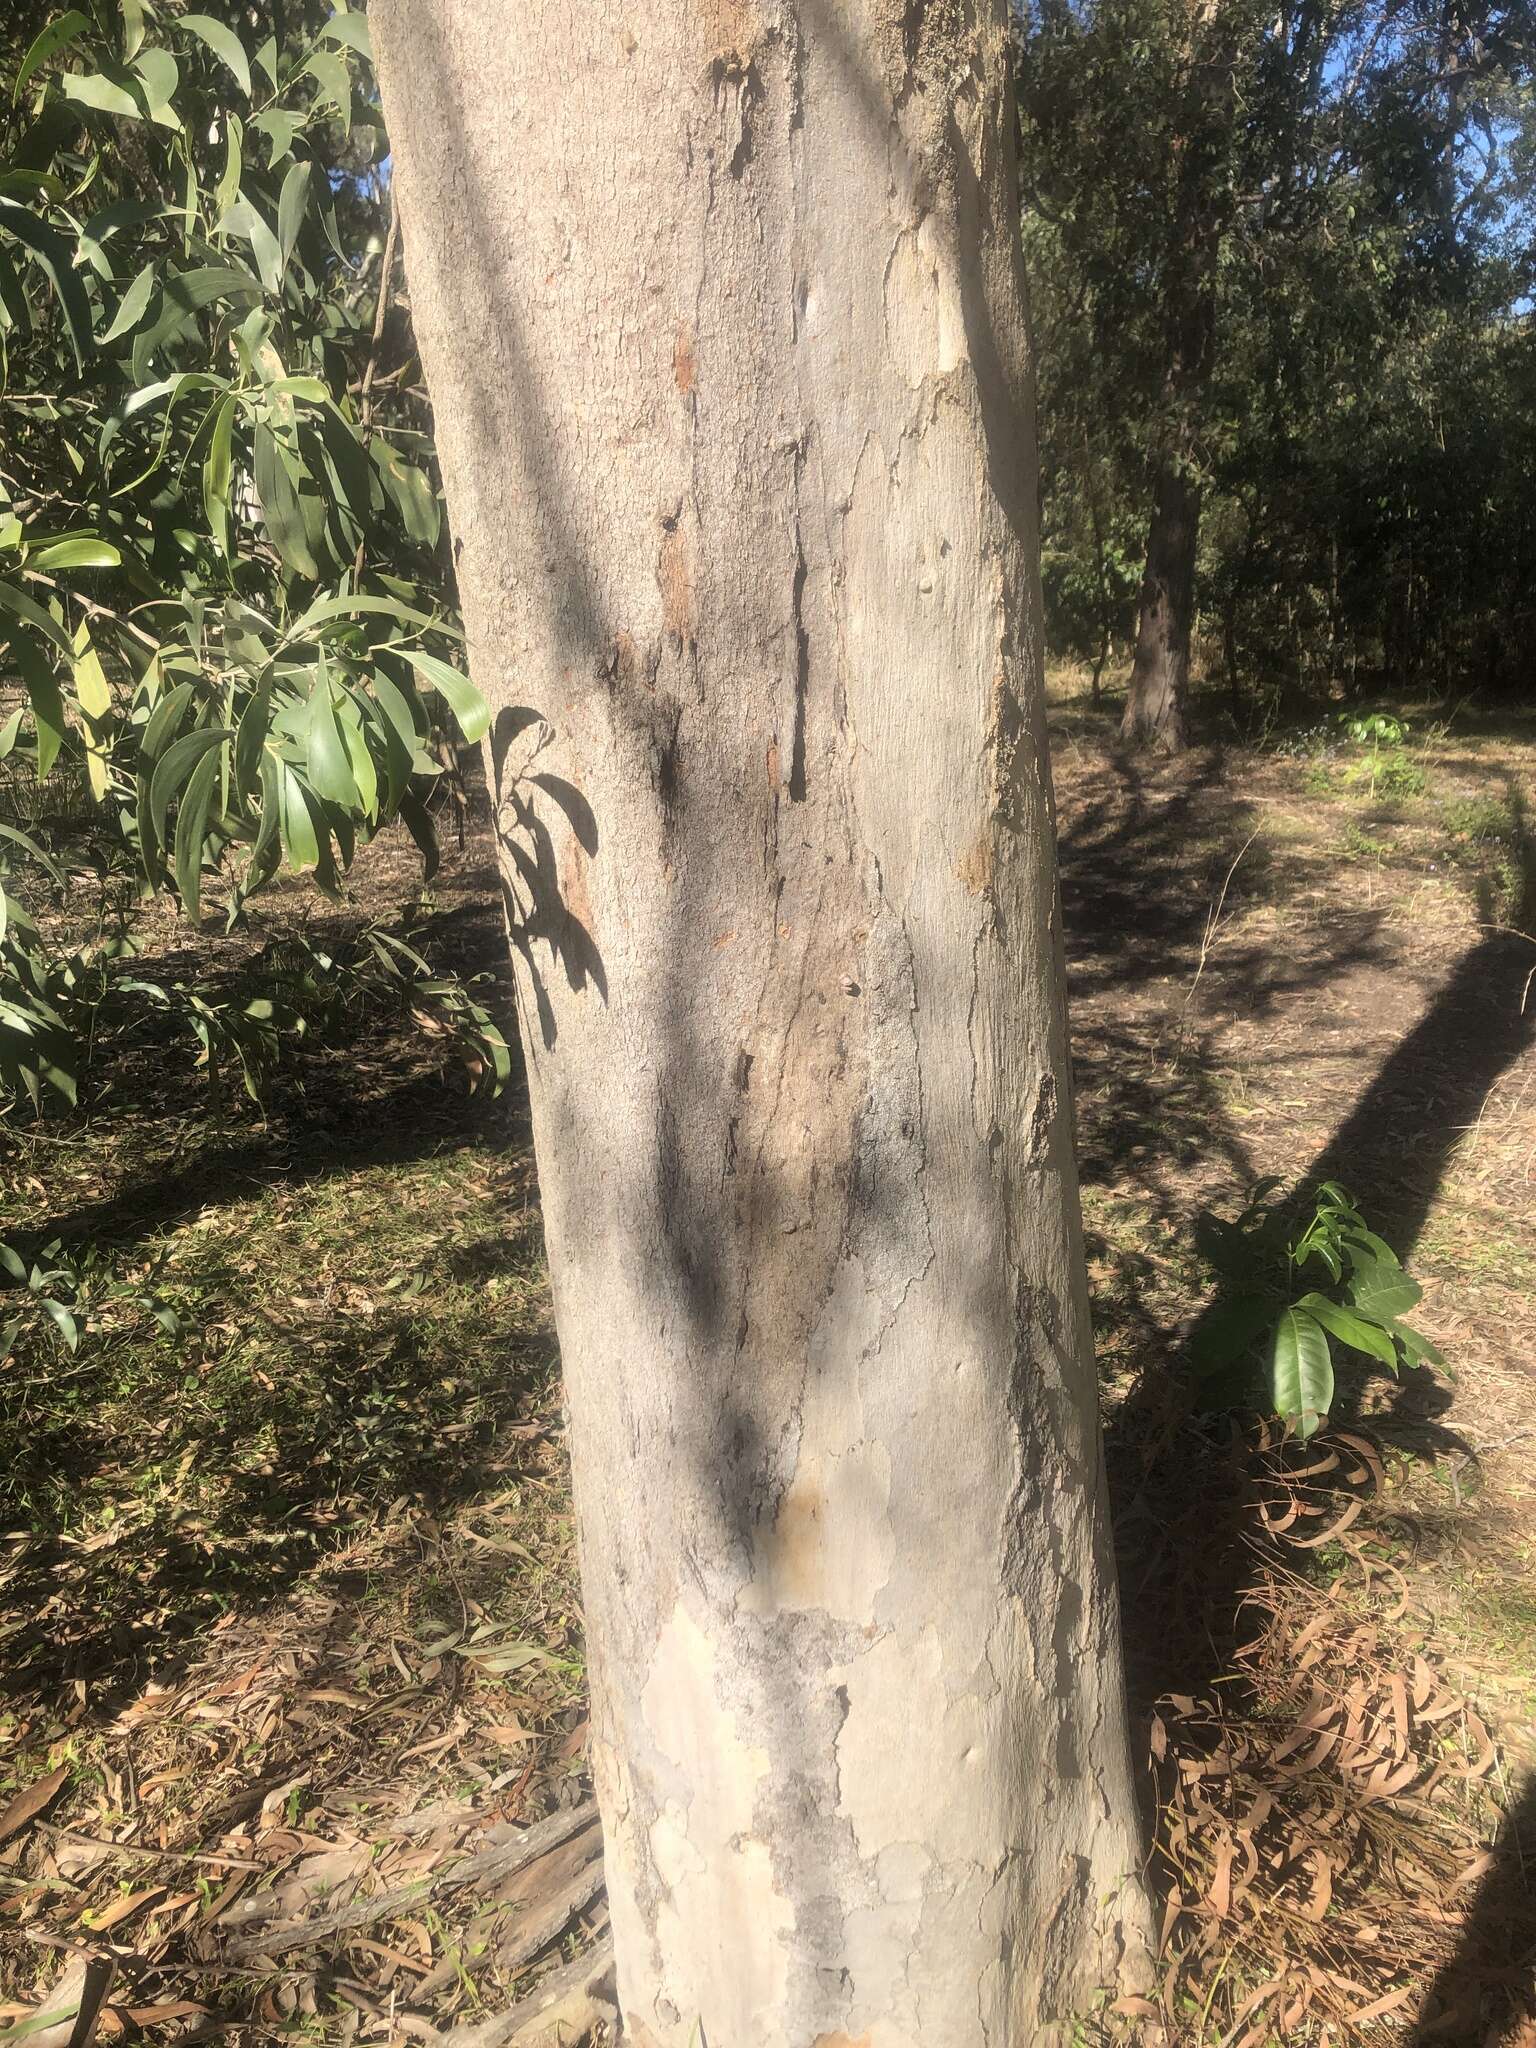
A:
x: 192, y: 831
x: 1301, y: 1370
x: 47, y: 43
x: 55, y: 254
x: 464, y: 700
x: 223, y: 42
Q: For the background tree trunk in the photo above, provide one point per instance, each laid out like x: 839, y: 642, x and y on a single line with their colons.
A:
x: 721, y: 312
x: 1155, y: 701
x: 1155, y: 704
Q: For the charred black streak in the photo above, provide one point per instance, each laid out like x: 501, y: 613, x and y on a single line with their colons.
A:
x: 802, y: 685
x: 738, y: 91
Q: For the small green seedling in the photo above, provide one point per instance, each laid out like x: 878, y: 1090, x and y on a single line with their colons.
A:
x: 1303, y: 1273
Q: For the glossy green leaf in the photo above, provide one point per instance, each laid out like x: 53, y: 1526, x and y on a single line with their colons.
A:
x: 251, y: 735
x: 131, y: 306
x: 172, y: 770
x: 280, y: 507
x: 243, y: 220
x: 224, y: 43
x: 328, y: 767
x: 163, y: 723
x: 133, y: 13
x: 330, y: 73
x: 290, y: 208
x: 47, y: 43
x: 1301, y: 1371
x: 216, y: 473
x: 464, y: 700
x: 352, y: 29
x: 80, y: 552
x: 1350, y: 1329
x: 300, y: 840
x: 46, y: 699
x: 227, y: 191
x: 159, y: 73
x: 359, y: 759
x: 105, y: 95
x: 94, y: 697
x: 1382, y: 1292
x: 192, y: 831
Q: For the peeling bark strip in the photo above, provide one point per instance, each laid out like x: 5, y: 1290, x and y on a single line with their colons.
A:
x: 720, y: 305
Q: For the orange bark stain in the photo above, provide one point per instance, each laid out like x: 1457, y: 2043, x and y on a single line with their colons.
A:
x: 795, y: 1560
x: 732, y: 29
x: 682, y: 359
x: 574, y: 897
x: 975, y: 867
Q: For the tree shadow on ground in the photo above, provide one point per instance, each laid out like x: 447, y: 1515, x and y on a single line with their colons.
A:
x: 1487, y: 1993
x: 1154, y: 861
x: 286, y: 1411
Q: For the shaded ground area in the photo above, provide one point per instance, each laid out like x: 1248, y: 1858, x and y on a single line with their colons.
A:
x: 287, y: 1607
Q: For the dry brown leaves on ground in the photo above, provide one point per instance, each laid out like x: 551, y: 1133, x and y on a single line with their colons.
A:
x: 1322, y: 1843
x: 268, y: 1842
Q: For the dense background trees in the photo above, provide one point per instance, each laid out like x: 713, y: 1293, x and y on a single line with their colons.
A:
x: 1282, y: 263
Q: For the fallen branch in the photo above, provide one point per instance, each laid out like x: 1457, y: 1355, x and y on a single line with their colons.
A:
x: 573, y: 1999
x: 537, y: 1928
x: 532, y: 1930
x: 501, y: 1861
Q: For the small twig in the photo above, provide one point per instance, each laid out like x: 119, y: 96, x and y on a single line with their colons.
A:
x: 1213, y: 921
x: 386, y: 271
x: 154, y: 1855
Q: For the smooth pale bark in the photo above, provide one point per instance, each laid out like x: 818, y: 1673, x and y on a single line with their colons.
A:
x: 721, y: 313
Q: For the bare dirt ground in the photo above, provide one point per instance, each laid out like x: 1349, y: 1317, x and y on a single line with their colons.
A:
x: 288, y: 1613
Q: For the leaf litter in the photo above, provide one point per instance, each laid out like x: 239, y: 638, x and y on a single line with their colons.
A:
x: 282, y: 1804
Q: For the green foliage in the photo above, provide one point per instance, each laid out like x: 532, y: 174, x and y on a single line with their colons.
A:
x: 223, y: 601
x: 1302, y: 1275
x: 58, y: 1294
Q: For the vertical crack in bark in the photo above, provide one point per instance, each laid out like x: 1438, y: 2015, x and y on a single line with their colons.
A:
x: 802, y: 655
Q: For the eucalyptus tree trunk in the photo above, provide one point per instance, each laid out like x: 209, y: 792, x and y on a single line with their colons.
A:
x: 1156, y: 701
x: 1158, y: 694
x: 721, y: 312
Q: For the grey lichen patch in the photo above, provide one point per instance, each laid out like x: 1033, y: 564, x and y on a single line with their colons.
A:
x: 889, y: 1231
